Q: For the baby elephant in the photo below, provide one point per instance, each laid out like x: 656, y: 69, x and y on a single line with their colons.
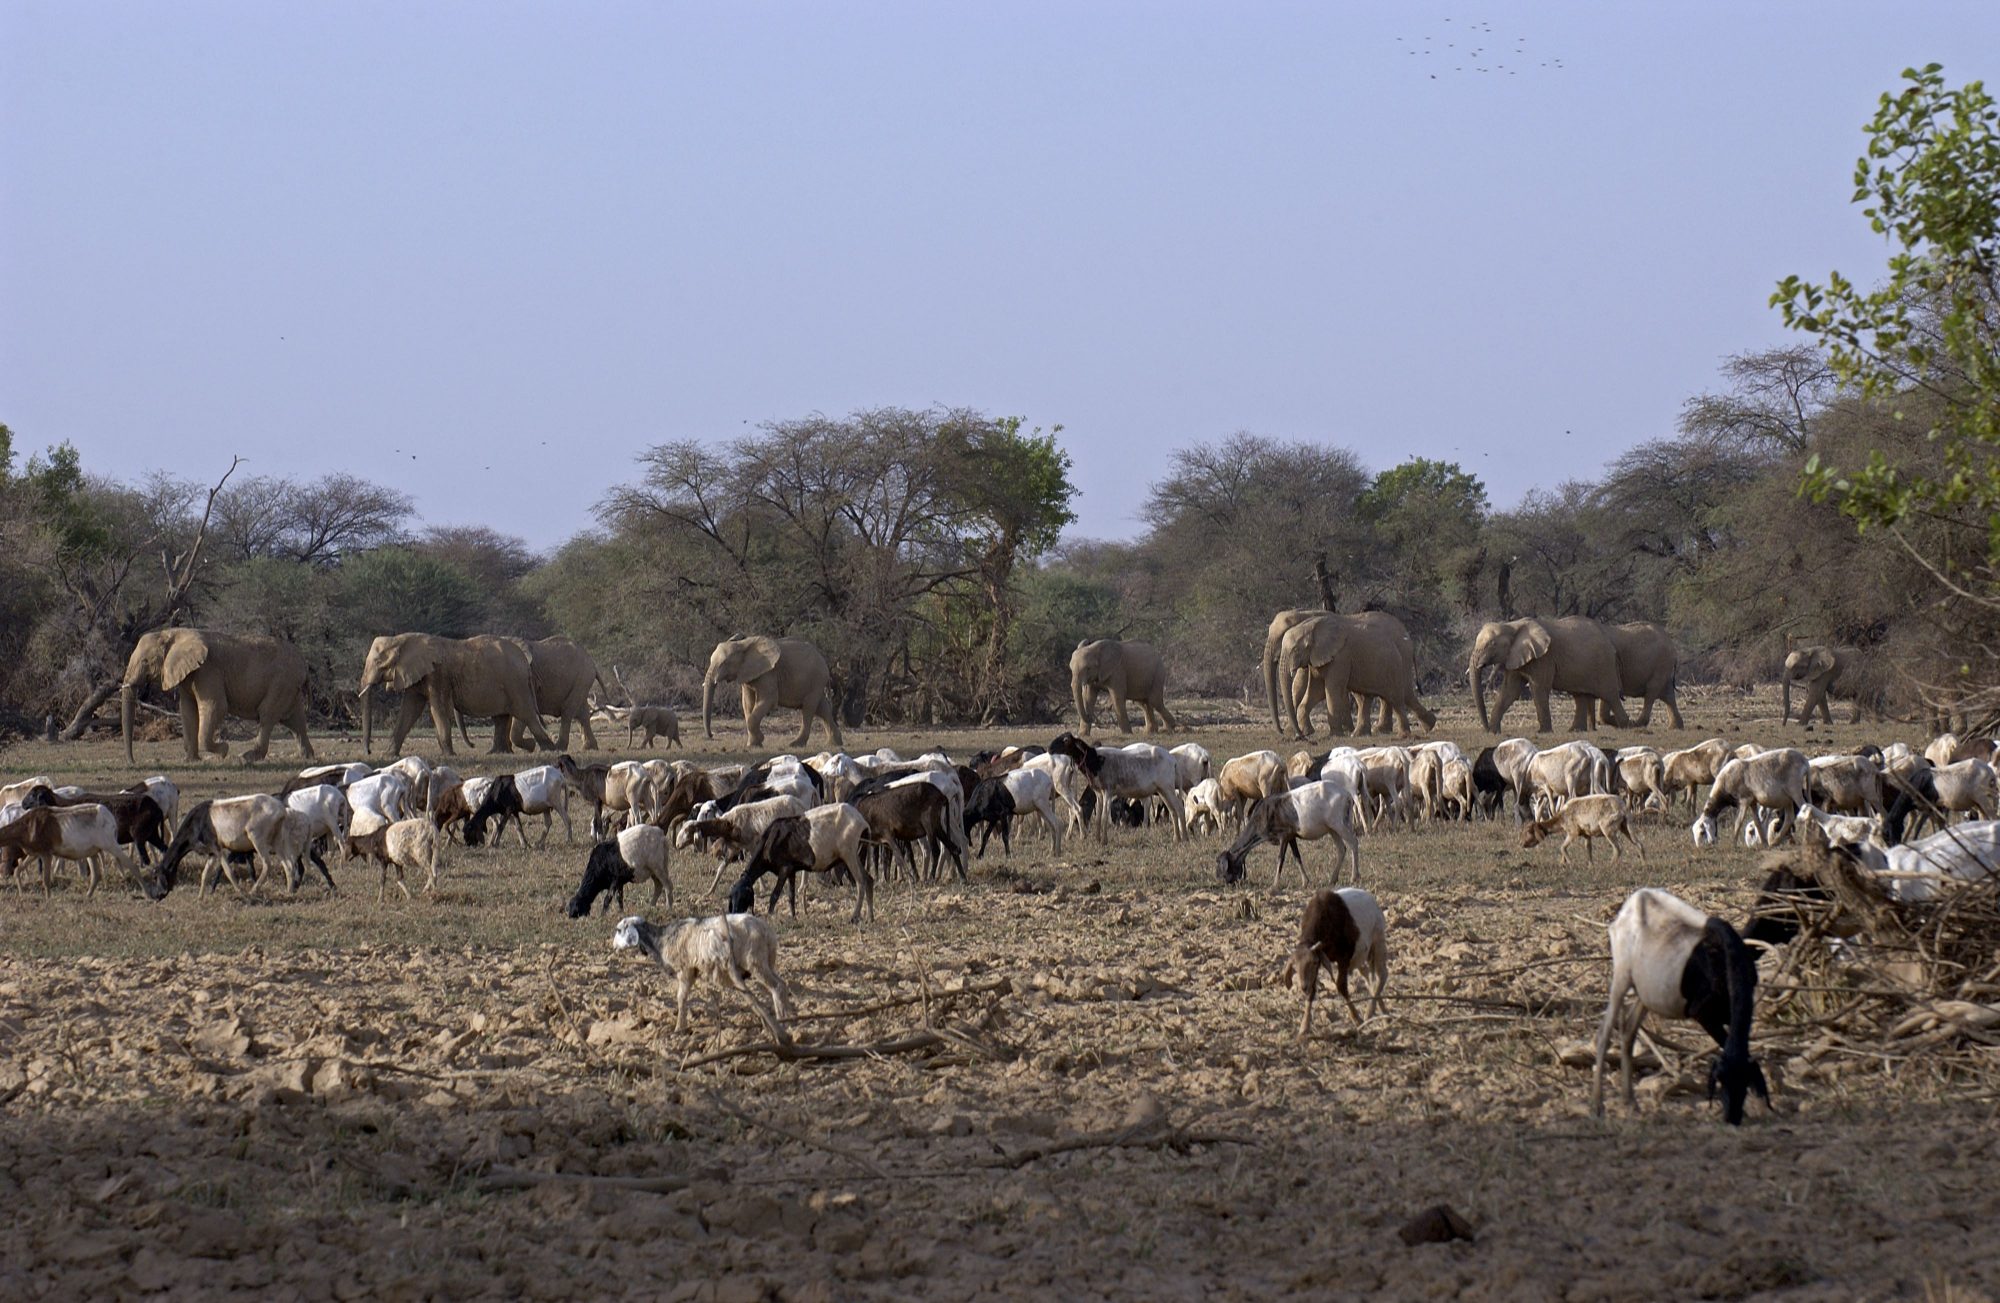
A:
x: 653, y: 719
x: 1588, y: 818
x: 1340, y: 928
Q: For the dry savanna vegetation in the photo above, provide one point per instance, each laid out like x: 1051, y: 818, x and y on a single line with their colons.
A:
x: 1083, y: 1082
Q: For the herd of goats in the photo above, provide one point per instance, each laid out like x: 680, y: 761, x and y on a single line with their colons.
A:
x: 850, y: 819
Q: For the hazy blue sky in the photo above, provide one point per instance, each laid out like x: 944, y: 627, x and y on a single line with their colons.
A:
x: 539, y: 237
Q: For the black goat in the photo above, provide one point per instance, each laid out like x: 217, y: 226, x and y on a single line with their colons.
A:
x: 605, y: 873
x: 503, y: 802
x: 990, y: 806
x: 1916, y: 794
x: 1488, y: 786
x: 902, y: 816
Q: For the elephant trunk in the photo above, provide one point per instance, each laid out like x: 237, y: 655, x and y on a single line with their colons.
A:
x: 128, y: 700
x: 1479, y: 693
x: 1286, y: 672
x: 708, y: 705
x: 1271, y: 687
x: 367, y: 721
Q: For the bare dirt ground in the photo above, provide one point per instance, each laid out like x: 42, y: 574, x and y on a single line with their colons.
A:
x: 311, y: 1096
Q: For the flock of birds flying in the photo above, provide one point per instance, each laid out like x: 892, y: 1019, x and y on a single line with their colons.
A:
x: 1474, y: 47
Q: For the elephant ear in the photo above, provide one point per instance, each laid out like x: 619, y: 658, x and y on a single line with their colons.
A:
x: 1532, y: 639
x: 1820, y: 659
x: 760, y: 656
x: 410, y: 662
x: 187, y: 653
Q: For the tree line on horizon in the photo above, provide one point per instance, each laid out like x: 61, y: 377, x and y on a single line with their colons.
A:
x: 1845, y: 489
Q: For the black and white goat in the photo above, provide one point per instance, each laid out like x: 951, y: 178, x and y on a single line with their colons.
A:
x: 1681, y: 963
x: 824, y: 838
x: 615, y: 863
x: 1132, y: 773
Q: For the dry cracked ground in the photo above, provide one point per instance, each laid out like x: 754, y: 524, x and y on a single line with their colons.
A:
x: 1084, y: 1084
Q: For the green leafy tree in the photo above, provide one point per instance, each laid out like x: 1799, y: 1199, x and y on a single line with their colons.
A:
x: 1926, y: 340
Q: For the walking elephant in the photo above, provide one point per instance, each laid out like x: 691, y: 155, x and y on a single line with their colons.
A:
x: 788, y: 672
x: 1365, y: 655
x: 1570, y: 654
x: 1129, y: 671
x: 1827, y: 672
x: 564, y: 674
x: 219, y: 675
x: 481, y: 675
x: 1648, y: 668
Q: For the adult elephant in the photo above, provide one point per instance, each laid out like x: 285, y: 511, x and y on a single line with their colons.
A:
x: 788, y: 672
x: 1648, y: 668
x: 564, y: 674
x: 481, y: 675
x: 1570, y: 654
x: 1367, y: 655
x: 1281, y: 624
x: 1827, y: 672
x: 1129, y: 671
x: 220, y: 675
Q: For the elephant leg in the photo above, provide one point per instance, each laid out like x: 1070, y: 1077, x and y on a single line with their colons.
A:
x: 1118, y: 709
x: 832, y: 716
x: 441, y: 717
x: 1583, y: 718
x: 1542, y: 704
x: 583, y: 724
x: 503, y: 735
x: 267, y: 720
x: 755, y: 707
x: 1339, y: 708
x: 296, y: 721
x: 808, y: 712
x: 406, y: 719
x: 190, y: 725
x: 1508, y: 693
x: 212, y: 715
x: 1173, y: 726
x: 1348, y: 715
x: 1613, y: 710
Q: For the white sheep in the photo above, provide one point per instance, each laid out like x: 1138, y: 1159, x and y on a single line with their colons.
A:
x: 726, y: 950
x: 1681, y: 963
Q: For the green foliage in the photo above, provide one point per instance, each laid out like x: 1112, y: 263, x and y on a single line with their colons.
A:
x: 397, y: 590
x: 1926, y: 341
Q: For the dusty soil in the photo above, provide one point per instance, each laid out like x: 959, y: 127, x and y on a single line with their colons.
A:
x: 320, y: 1096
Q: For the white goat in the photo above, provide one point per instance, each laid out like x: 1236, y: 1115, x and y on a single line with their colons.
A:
x: 1773, y: 781
x: 1035, y: 789
x: 1305, y: 813
x: 727, y: 950
x: 1845, y: 784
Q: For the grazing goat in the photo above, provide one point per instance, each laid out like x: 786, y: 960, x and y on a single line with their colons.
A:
x: 1339, y: 928
x: 1967, y: 787
x: 1458, y: 792
x: 1512, y: 758
x: 1684, y: 771
x: 1308, y: 813
x: 990, y: 806
x: 1969, y: 852
x: 1488, y: 782
x: 727, y: 950
x: 1641, y: 774
x: 823, y: 838
x: 405, y: 844
x: 82, y: 834
x: 1142, y: 771
x: 1585, y: 818
x: 541, y: 790
x: 164, y: 794
x: 1681, y: 963
x: 1247, y: 779
x: 386, y: 795
x: 253, y: 824
x: 1067, y: 778
x: 1035, y: 790
x: 615, y: 863
x: 141, y: 822
x: 1204, y: 806
x: 902, y: 815
x: 734, y: 831
x: 1840, y: 829
x: 1773, y: 780
x: 1845, y: 784
x: 1194, y: 761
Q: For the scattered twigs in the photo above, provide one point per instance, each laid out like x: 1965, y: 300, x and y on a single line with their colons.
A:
x: 922, y: 1040
x: 776, y: 1128
x: 1152, y: 1133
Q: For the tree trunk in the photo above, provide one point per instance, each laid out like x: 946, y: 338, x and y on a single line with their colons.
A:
x: 81, y: 720
x: 1325, y: 582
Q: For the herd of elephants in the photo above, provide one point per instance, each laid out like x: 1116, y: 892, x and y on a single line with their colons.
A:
x: 1316, y: 656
